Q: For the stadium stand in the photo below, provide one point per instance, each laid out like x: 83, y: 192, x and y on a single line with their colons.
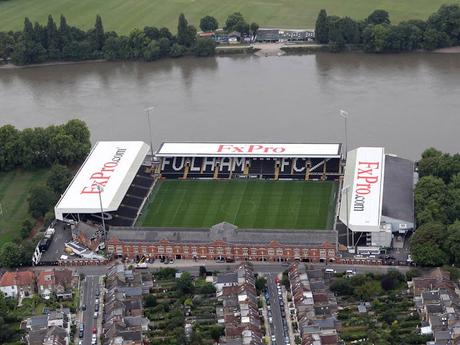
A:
x: 307, y: 161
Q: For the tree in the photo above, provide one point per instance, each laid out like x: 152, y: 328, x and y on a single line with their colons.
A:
x: 216, y: 332
x: 177, y: 50
x: 10, y: 148
x: 184, y: 284
x: 452, y: 243
x: 138, y: 42
x: 26, y: 228
x: 152, y: 32
x: 336, y: 38
x: 426, y: 245
x: 208, y: 23
x: 322, y: 28
x: 41, y: 199
x: 430, y: 200
x: 434, y: 39
x: 185, y: 33
x: 378, y: 17
x: 376, y: 38
x: 254, y: 27
x: 6, y: 45
x: 150, y: 301
x: 165, y: 46
x: 52, y: 39
x: 59, y: 178
x: 166, y: 273
x: 236, y: 22
x: 28, y: 31
x: 12, y: 255
x: 261, y: 284
x: 165, y: 33
x: 152, y: 51
x: 28, y: 52
x: 99, y: 36
x: 350, y: 30
x: 205, y: 47
x: 446, y: 20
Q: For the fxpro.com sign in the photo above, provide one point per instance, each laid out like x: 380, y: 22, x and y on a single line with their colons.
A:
x: 366, y: 200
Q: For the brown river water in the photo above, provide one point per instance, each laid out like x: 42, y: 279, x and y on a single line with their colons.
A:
x: 404, y: 102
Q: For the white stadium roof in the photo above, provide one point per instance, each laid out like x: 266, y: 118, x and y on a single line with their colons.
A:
x: 219, y: 149
x: 363, y: 187
x: 111, y: 165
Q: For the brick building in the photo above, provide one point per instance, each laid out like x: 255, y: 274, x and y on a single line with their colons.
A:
x: 223, y: 241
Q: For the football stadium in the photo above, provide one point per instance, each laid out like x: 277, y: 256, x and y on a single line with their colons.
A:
x: 237, y: 201
x: 258, y: 186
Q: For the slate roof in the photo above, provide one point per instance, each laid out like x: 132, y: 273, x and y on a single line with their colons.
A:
x: 398, y: 189
x: 223, y: 231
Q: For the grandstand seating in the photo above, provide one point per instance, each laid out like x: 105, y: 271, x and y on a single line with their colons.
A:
x: 216, y: 167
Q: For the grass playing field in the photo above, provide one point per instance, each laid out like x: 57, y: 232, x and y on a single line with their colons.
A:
x: 124, y: 15
x: 247, y: 204
x: 14, y: 191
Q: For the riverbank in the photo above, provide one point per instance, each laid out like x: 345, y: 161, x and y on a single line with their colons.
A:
x: 257, y: 49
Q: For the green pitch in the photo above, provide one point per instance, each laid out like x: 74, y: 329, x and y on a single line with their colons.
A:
x: 125, y: 15
x: 14, y: 190
x: 245, y: 203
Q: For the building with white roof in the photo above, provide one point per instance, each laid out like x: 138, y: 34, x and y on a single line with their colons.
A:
x: 377, y: 194
x: 111, y: 179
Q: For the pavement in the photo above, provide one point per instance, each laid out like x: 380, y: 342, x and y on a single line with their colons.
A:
x: 88, y: 297
x: 192, y: 266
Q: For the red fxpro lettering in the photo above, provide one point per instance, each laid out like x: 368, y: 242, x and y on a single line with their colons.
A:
x: 368, y: 174
x: 252, y: 148
x: 102, y: 177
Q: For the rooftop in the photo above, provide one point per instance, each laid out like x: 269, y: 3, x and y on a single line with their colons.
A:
x: 223, y: 231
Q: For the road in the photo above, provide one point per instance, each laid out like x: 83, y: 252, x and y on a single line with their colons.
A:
x: 277, y: 327
x: 260, y: 267
x: 89, y: 295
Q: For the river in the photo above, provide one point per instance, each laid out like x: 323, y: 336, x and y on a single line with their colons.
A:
x: 403, y: 102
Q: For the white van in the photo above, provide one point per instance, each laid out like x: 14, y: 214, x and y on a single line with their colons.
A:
x: 330, y: 271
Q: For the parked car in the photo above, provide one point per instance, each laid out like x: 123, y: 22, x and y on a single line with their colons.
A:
x: 83, y: 307
x: 95, y: 314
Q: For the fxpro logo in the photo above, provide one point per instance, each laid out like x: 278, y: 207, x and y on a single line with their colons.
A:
x: 250, y: 148
x: 368, y: 175
x: 103, y: 175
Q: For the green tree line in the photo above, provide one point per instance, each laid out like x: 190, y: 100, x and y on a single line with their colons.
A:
x: 41, y: 147
x: 437, y: 205
x: 376, y: 34
x: 37, y: 43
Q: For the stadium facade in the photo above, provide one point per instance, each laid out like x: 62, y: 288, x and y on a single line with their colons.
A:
x: 377, y: 195
x: 252, y: 160
x: 223, y: 241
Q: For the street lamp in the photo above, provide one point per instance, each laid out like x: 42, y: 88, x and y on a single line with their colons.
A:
x: 345, y: 189
x: 344, y: 115
x: 148, y: 110
x: 101, y: 189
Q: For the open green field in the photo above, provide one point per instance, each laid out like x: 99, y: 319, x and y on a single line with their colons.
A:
x: 14, y: 191
x: 124, y: 15
x: 247, y: 204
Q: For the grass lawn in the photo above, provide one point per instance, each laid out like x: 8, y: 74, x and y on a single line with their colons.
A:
x: 14, y: 191
x: 124, y: 15
x: 245, y: 203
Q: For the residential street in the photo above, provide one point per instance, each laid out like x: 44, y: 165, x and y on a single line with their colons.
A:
x: 90, y: 286
x: 277, y: 325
